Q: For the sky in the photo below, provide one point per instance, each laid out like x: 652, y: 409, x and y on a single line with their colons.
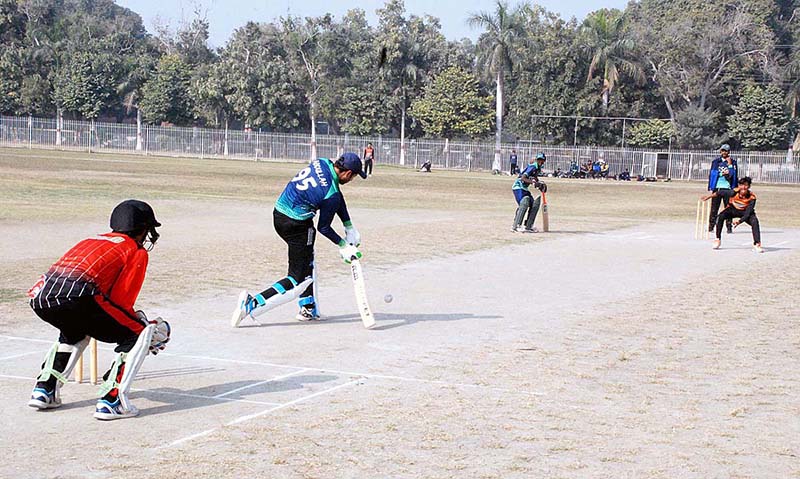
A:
x: 227, y: 15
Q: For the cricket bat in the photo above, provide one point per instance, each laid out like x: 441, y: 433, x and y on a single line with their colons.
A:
x: 545, y: 214
x: 361, y: 294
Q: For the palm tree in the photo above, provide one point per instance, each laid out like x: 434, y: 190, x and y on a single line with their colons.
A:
x: 605, y: 39
x: 504, y: 28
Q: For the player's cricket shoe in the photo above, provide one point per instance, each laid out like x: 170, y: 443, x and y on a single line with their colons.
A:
x: 41, y: 398
x: 531, y: 230
x: 716, y: 244
x: 108, y: 411
x: 307, y: 314
x: 244, y: 306
x: 758, y: 249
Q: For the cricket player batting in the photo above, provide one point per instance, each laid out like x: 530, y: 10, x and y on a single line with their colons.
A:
x: 316, y: 188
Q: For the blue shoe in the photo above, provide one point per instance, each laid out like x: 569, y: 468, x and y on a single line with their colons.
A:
x: 244, y: 307
x: 307, y: 314
x: 43, y: 399
x: 108, y: 411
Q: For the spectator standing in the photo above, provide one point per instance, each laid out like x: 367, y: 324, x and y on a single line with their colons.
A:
x: 369, y: 158
x: 513, y: 160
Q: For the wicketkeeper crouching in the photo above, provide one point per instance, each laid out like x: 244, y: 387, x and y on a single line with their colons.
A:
x: 90, y: 293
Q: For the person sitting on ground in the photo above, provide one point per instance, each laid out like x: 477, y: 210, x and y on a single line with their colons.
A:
x: 426, y: 167
x: 625, y: 175
x: 595, y: 169
x: 603, y: 169
x: 586, y: 168
x: 574, y: 169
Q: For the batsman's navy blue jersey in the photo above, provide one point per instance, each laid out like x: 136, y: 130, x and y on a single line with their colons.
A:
x: 532, y: 172
x: 315, y: 188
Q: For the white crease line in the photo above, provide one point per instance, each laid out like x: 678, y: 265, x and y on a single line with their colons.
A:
x: 29, y: 353
x: 168, y: 393
x: 32, y: 340
x: 188, y: 438
x: 276, y: 378
x: 348, y: 373
x: 10, y: 376
x: 291, y: 403
x: 259, y: 414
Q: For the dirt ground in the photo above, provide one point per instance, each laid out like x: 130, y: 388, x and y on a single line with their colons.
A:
x: 614, y: 346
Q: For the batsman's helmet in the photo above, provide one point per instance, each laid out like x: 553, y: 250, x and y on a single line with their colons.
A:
x: 540, y: 156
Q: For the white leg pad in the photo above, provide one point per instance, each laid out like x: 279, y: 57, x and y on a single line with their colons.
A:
x: 75, y: 351
x: 283, y: 298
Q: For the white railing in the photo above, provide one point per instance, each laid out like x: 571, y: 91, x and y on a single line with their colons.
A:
x: 31, y: 132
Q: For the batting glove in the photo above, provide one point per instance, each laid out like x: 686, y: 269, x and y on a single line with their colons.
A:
x: 351, y: 235
x: 349, y: 252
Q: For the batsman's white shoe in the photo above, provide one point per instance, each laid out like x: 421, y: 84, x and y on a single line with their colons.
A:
x: 307, y: 314
x: 531, y: 230
x: 108, y: 411
x: 43, y: 399
x: 758, y: 249
x: 244, y: 306
x: 716, y: 244
x: 513, y: 229
x: 520, y: 229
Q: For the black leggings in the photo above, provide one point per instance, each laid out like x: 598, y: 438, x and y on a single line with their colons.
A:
x: 84, y: 317
x: 368, y: 166
x: 715, y: 203
x: 729, y: 213
x: 299, y: 236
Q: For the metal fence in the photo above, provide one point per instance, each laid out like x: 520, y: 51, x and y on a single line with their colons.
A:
x: 51, y: 133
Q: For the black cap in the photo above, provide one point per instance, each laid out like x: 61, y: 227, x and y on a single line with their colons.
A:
x: 133, y: 215
x: 351, y: 161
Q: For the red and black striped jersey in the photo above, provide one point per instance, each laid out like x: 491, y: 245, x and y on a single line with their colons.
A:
x: 111, y: 267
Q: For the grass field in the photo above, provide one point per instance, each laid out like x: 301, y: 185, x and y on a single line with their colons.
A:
x: 614, y: 346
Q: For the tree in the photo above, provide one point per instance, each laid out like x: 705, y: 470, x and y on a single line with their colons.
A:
x: 11, y: 77
x: 251, y: 78
x: 548, y: 75
x: 413, y: 49
x: 304, y: 45
x: 453, y: 106
x: 165, y: 96
x: 85, y: 84
x: 355, y: 97
x: 691, y: 48
x: 760, y: 121
x: 651, y: 134
x: 496, y: 46
x: 609, y: 46
x: 696, y: 127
